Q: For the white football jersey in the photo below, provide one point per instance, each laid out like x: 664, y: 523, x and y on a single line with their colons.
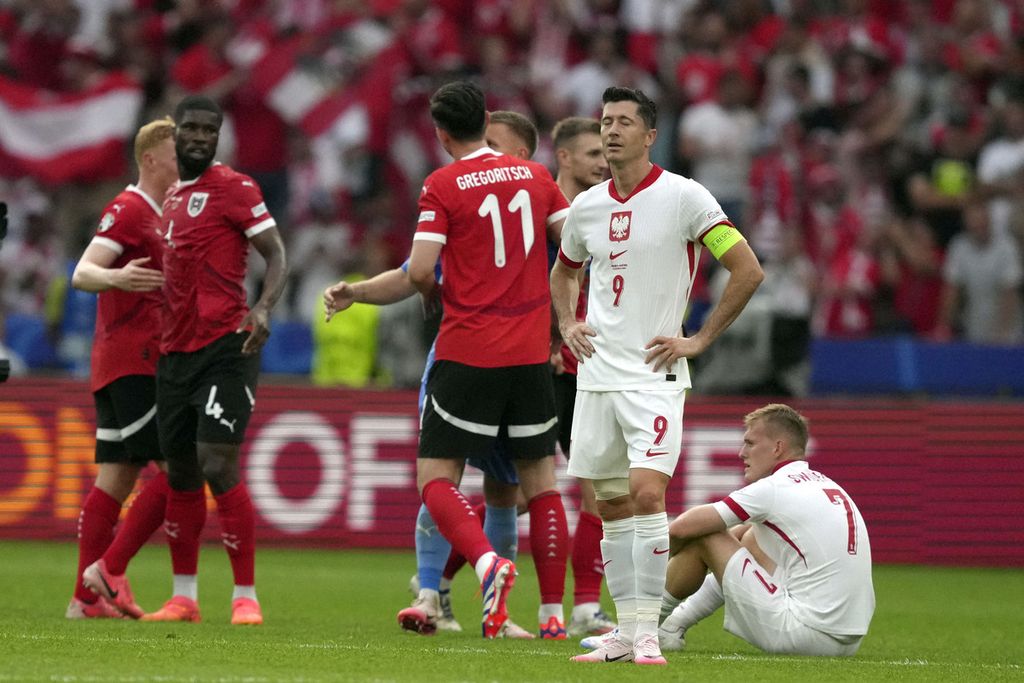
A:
x: 812, y: 528
x: 644, y: 249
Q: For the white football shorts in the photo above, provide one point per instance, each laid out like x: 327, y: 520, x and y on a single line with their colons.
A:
x: 614, y: 431
x: 759, y: 610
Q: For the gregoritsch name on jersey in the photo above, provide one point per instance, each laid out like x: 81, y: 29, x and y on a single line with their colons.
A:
x: 491, y: 212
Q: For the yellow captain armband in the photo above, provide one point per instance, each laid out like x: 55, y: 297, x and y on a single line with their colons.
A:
x: 721, y: 239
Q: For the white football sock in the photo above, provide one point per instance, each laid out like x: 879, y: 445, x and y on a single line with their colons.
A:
x: 585, y: 610
x: 617, y: 552
x: 668, y: 603
x: 244, y: 592
x: 549, y: 610
x: 650, y: 556
x: 186, y: 585
x: 701, y: 604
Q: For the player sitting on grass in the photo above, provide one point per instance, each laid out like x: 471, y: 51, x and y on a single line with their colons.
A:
x: 798, y: 580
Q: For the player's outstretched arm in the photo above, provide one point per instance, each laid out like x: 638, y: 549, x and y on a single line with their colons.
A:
x: 268, y: 243
x: 94, y: 274
x: 386, y: 288
x: 422, y: 262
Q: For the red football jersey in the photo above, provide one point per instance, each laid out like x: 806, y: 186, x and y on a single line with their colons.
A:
x: 128, y: 323
x: 208, y: 222
x: 491, y: 212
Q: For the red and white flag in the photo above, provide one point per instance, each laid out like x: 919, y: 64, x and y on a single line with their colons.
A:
x: 284, y: 82
x: 63, y: 137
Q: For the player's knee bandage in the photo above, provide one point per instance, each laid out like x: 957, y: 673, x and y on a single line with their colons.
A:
x: 607, y: 489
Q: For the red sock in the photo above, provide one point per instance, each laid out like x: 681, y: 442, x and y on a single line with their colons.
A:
x: 238, y: 531
x: 96, y: 524
x: 549, y: 543
x: 587, y: 568
x: 186, y: 516
x: 455, y: 518
x: 456, y: 560
x: 145, y: 516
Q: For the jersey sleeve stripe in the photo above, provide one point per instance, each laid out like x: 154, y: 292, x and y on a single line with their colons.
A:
x: 260, y: 227
x: 568, y: 261
x: 109, y: 244
x: 558, y: 215
x: 431, y: 237
x: 736, y: 508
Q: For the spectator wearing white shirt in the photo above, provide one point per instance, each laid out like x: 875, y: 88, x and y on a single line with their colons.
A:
x: 981, y: 296
x: 1001, y: 170
x: 719, y: 139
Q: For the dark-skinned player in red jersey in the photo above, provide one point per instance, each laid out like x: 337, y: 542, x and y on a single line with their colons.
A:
x: 206, y: 376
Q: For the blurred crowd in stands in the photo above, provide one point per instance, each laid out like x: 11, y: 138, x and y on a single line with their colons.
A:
x: 872, y: 151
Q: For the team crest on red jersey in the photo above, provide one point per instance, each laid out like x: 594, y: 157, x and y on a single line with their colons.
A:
x: 197, y: 202
x: 618, y: 229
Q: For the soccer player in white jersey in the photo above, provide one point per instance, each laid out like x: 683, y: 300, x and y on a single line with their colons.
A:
x: 643, y: 230
x: 788, y: 553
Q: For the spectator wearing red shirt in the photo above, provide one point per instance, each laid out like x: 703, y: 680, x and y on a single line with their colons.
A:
x: 851, y: 275
x: 41, y: 42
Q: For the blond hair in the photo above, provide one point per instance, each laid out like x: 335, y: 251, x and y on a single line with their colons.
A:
x: 151, y: 135
x: 780, y: 417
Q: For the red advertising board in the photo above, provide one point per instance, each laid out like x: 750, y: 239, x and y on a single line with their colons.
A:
x: 937, y: 482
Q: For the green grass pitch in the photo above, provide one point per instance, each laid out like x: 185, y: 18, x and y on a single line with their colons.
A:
x: 330, y: 616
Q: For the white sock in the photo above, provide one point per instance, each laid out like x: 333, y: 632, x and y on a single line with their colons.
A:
x: 244, y: 592
x: 585, y: 610
x: 700, y: 605
x: 186, y: 585
x: 619, y: 573
x: 483, y: 564
x: 549, y: 610
x: 429, y: 594
x: 668, y: 603
x: 650, y: 556
x: 446, y: 585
